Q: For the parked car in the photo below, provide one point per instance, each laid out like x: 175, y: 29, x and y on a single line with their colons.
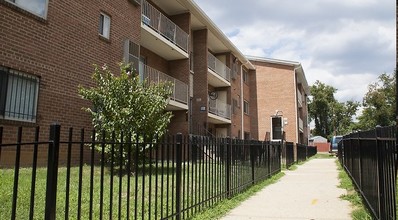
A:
x: 334, y: 144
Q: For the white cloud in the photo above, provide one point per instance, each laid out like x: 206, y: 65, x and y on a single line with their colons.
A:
x: 345, y: 44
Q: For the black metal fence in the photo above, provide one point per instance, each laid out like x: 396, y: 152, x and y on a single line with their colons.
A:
x: 288, y: 154
x: 370, y: 160
x: 128, y: 177
x: 304, y: 152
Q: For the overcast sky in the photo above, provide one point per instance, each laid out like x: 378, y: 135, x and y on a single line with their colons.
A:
x: 343, y: 43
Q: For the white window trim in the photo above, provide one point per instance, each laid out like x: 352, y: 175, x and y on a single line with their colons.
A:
x: 106, y: 17
x: 29, y: 10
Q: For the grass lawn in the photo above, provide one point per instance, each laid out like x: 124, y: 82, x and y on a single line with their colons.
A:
x: 23, y: 201
x: 155, y: 193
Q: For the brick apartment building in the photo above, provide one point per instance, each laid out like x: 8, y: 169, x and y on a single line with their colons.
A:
x: 48, y: 49
x: 280, y: 93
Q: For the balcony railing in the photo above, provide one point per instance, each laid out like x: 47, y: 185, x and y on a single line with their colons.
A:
x: 163, y: 25
x: 220, y: 109
x: 179, y: 89
x: 218, y: 67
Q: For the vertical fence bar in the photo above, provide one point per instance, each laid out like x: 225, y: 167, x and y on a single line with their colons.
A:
x: 156, y: 176
x: 143, y: 177
x: 178, y: 174
x: 52, y: 172
x: 173, y: 151
x: 228, y: 167
x: 92, y: 174
x: 150, y: 179
x: 68, y: 173
x: 128, y: 141
x: 120, y: 174
x: 101, y: 211
x: 79, y: 195
x: 251, y: 150
x: 16, y: 174
x: 167, y: 174
x: 111, y: 175
x: 380, y: 176
x: 136, y: 175
x: 34, y: 166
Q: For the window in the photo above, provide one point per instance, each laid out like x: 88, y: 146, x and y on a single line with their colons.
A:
x: 234, y: 105
x: 131, y: 54
x: 18, y: 95
x: 104, y: 25
x: 245, y: 76
x: 246, y: 107
x: 191, y: 62
x: 37, y: 7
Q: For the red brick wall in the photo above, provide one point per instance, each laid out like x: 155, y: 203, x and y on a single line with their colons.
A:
x: 275, y: 91
x: 236, y: 122
x: 254, y: 106
x: 246, y: 96
x: 61, y: 50
x: 199, y: 118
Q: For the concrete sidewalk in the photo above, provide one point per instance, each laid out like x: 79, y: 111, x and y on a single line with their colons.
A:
x: 310, y: 192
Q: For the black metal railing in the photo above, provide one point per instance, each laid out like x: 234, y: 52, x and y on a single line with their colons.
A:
x: 369, y: 158
x: 125, y: 175
x: 304, y: 152
x: 288, y: 154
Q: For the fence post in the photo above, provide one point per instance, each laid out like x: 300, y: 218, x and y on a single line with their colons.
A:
x: 228, y: 166
x: 252, y: 158
x: 178, y: 174
x: 52, y: 171
x: 380, y: 176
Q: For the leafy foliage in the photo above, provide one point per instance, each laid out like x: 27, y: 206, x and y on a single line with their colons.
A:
x: 126, y: 104
x: 379, y: 103
x: 330, y: 116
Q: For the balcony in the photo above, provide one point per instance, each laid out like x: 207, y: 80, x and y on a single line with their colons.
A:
x: 299, y: 99
x: 219, y: 112
x: 219, y: 75
x: 179, y: 97
x: 161, y: 35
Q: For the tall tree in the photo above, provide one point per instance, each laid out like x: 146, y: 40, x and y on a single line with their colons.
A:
x: 330, y: 116
x: 342, y: 117
x: 379, y: 103
x: 320, y: 107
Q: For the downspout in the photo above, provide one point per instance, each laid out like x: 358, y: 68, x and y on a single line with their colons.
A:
x: 295, y: 102
x: 241, y: 100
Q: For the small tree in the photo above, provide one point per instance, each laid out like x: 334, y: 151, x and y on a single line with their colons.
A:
x: 127, y: 104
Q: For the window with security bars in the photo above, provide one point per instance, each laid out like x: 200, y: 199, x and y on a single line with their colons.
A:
x: 18, y: 95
